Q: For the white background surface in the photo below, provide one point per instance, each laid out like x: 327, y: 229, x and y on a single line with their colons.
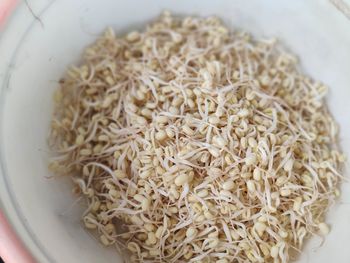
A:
x: 34, y: 55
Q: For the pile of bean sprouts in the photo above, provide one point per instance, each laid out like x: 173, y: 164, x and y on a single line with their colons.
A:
x: 194, y: 143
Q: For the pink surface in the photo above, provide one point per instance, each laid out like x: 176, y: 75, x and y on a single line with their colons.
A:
x: 6, y: 7
x: 11, y: 248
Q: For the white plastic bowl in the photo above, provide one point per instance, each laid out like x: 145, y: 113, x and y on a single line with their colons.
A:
x: 34, y: 54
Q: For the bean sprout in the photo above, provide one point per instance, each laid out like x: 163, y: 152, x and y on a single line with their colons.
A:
x: 192, y: 143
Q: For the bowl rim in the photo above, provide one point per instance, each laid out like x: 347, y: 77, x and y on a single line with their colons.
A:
x: 19, y: 243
